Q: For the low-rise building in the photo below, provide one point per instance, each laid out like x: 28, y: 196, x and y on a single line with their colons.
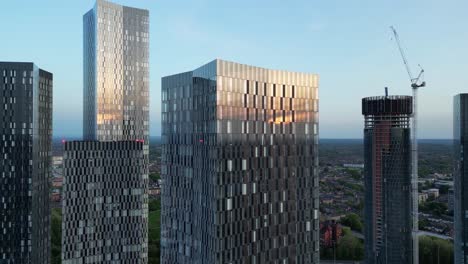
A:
x: 327, y: 199
x: 154, y: 191
x: 57, y: 161
x: 57, y: 182
x: 56, y: 197
x: 330, y: 233
x: 422, y: 197
x: 440, y: 184
x: 432, y: 193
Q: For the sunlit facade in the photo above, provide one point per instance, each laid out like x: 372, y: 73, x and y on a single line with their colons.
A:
x: 26, y: 142
x: 460, y: 211
x: 115, y: 113
x: 116, y: 73
x: 387, y: 179
x: 239, y: 166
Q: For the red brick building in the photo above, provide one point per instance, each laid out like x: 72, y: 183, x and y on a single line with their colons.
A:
x: 330, y: 233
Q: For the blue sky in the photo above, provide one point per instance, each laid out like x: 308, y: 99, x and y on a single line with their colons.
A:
x: 348, y: 43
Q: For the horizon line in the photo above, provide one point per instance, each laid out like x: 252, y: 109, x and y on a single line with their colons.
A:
x: 334, y: 138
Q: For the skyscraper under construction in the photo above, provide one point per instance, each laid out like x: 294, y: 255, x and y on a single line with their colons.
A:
x: 387, y: 179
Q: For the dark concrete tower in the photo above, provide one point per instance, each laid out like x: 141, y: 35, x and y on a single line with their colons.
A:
x: 387, y: 172
x: 460, y: 136
x: 26, y: 137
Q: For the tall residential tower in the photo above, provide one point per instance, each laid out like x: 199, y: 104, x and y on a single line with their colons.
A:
x: 26, y: 137
x: 240, y: 166
x: 460, y: 136
x: 105, y: 201
x: 387, y: 179
x: 115, y: 73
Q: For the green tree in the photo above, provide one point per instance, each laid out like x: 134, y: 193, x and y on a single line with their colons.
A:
x: 154, y: 205
x: 56, y: 235
x: 423, y: 171
x: 154, y: 176
x: 433, y: 207
x: 353, y: 221
x: 444, y: 189
x: 154, y: 231
x: 354, y: 173
x: 435, y: 250
x: 423, y: 223
x: 350, y: 248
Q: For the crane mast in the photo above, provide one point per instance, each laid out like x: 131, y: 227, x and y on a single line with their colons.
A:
x: 415, y: 84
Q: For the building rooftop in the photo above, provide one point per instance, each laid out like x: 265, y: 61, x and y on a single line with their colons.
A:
x: 387, y: 105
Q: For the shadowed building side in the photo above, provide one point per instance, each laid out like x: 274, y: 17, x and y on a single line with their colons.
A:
x: 103, y: 202
x: 26, y: 130
x: 460, y: 173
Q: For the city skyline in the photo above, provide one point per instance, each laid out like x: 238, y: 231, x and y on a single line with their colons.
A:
x: 234, y: 176
x: 368, y: 62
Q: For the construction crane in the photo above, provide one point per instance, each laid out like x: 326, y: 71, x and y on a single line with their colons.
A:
x: 415, y: 84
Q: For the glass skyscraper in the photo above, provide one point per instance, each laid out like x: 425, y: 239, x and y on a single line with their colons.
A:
x: 105, y: 205
x: 26, y: 137
x: 116, y: 73
x: 460, y: 211
x: 240, y: 166
x: 387, y: 179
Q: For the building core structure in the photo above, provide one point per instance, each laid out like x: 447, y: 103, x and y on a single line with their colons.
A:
x: 240, y: 166
x: 387, y: 179
x: 25, y: 166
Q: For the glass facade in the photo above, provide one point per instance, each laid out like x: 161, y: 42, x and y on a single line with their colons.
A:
x: 26, y: 137
x: 239, y: 166
x: 387, y: 180
x: 115, y: 111
x: 460, y: 136
x: 116, y: 73
x: 102, y: 203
